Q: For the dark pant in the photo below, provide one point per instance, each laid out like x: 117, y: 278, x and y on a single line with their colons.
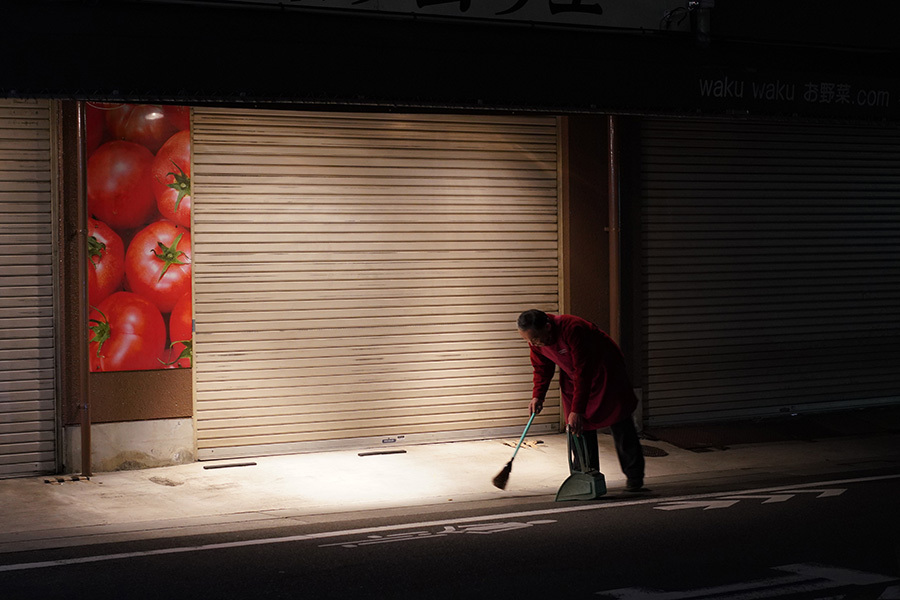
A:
x: 628, y: 449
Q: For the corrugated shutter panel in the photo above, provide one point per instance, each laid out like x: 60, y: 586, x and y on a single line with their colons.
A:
x: 27, y: 363
x: 357, y: 276
x: 771, y: 280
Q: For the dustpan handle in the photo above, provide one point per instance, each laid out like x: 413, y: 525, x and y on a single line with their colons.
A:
x: 580, y: 450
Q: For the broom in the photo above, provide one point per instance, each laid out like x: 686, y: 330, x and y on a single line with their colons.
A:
x: 502, y: 477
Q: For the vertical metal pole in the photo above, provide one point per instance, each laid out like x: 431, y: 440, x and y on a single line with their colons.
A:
x: 615, y: 310
x: 562, y: 218
x: 58, y: 250
x: 82, y: 343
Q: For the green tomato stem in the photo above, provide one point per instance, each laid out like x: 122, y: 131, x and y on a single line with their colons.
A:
x: 187, y: 352
x: 170, y: 255
x: 95, y: 250
x: 182, y: 183
x: 100, y: 329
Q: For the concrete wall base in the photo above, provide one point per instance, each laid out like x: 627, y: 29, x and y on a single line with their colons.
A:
x: 132, y: 445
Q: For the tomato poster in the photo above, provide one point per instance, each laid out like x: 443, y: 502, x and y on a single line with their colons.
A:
x: 139, y: 236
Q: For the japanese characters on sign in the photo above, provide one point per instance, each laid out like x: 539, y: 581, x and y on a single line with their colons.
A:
x: 525, y: 10
x: 645, y: 15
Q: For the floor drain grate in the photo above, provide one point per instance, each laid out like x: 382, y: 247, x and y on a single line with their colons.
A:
x: 230, y: 465
x: 59, y: 480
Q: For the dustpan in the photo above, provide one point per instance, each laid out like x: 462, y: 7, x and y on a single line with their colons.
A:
x: 583, y: 483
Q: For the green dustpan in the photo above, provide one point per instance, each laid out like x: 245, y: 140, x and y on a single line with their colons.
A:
x: 583, y: 483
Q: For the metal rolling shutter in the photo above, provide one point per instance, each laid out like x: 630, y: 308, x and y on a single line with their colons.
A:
x: 771, y: 268
x: 357, y: 276
x: 27, y: 363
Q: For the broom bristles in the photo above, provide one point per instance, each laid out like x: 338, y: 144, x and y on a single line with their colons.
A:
x: 502, y: 477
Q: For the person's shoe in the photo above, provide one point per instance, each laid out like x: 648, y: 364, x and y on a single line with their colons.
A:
x: 634, y: 485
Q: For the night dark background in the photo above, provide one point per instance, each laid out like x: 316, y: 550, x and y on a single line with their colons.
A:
x: 241, y: 53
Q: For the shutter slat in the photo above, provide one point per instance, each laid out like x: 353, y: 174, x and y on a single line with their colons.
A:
x: 358, y: 276
x: 770, y: 281
x: 27, y: 358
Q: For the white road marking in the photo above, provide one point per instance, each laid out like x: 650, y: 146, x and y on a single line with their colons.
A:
x: 704, y: 504
x: 822, y: 493
x: 769, y: 498
x: 805, y: 578
x: 478, y: 529
x: 730, y: 499
x: 399, y: 527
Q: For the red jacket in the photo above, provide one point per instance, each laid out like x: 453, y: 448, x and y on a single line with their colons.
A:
x: 592, y: 379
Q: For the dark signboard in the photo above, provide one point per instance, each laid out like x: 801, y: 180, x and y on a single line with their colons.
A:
x: 340, y: 60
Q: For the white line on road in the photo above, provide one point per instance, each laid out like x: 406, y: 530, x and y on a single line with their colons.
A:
x: 822, y: 493
x: 769, y: 498
x: 727, y: 500
x: 704, y: 504
x: 806, y: 578
x: 478, y: 529
x: 367, y: 530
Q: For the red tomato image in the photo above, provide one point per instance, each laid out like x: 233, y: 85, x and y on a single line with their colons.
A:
x: 179, y: 116
x: 106, y: 261
x: 171, y: 173
x: 180, y: 350
x: 119, y: 187
x: 158, y: 263
x: 95, y: 127
x: 144, y: 124
x: 127, y: 333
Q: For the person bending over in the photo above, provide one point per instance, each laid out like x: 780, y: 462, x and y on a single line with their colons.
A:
x: 594, y: 384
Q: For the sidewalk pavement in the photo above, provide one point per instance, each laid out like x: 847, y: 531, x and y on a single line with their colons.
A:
x: 207, y: 497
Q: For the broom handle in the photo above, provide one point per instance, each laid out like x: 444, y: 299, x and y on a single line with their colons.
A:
x: 521, y: 439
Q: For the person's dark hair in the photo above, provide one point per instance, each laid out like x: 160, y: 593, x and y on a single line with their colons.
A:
x: 532, y: 320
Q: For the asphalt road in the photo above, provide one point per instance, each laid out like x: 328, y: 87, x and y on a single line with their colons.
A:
x: 832, y: 538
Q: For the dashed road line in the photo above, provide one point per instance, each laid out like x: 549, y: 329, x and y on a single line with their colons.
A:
x: 512, y: 516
